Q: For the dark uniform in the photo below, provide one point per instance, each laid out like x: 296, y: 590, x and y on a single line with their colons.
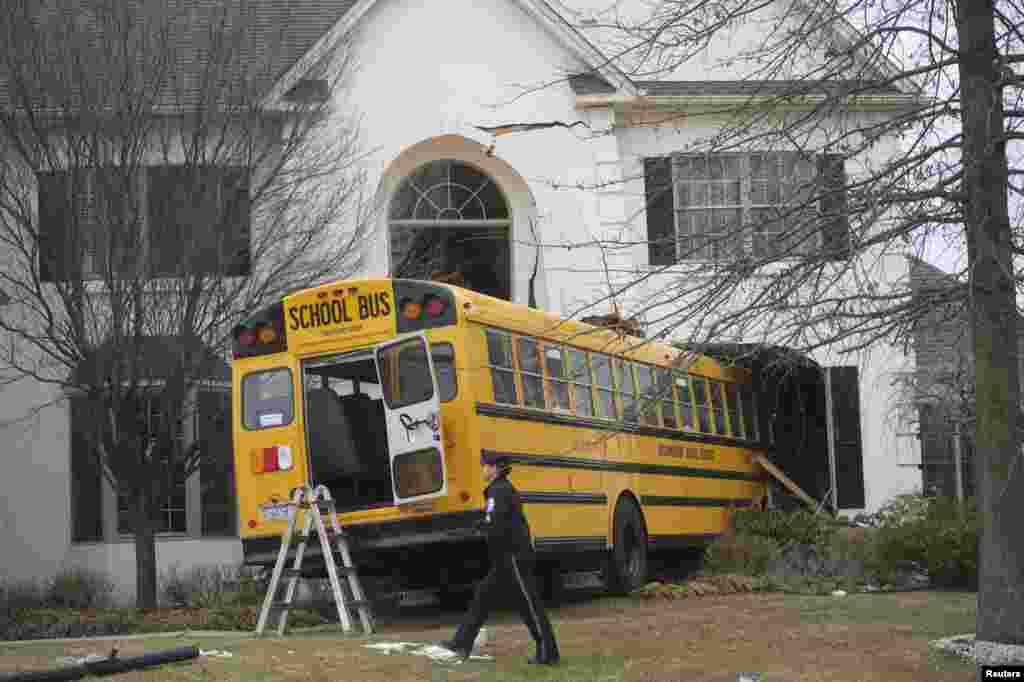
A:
x: 511, y: 573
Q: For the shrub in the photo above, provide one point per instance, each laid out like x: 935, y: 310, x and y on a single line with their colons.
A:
x: 741, y: 553
x: 938, y: 534
x: 18, y: 595
x: 79, y: 588
x: 210, y: 587
x: 801, y: 527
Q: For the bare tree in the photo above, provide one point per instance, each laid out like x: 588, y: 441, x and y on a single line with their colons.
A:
x: 148, y: 200
x: 854, y: 132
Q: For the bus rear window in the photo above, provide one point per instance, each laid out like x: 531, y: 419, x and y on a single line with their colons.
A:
x: 267, y: 399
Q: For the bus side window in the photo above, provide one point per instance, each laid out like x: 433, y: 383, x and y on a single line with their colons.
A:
x: 499, y: 358
x: 581, y: 382
x: 648, y: 399
x: 717, y: 407
x: 684, y: 389
x: 749, y: 412
x: 664, y: 392
x: 555, y: 372
x: 627, y: 389
x: 530, y: 372
x: 443, y: 356
x: 732, y: 404
x: 700, y: 398
x: 603, y: 380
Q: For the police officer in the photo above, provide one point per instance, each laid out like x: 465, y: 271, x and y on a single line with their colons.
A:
x: 511, y: 572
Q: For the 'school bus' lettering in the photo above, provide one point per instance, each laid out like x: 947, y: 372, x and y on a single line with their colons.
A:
x: 339, y: 311
x: 595, y: 424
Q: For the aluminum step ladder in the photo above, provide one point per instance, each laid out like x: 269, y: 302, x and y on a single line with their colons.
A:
x: 313, y: 503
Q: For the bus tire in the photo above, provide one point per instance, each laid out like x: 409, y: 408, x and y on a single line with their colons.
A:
x: 626, y: 568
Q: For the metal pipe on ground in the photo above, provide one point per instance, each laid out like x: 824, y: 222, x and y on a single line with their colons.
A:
x: 106, y: 666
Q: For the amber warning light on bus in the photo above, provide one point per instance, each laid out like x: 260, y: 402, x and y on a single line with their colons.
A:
x: 261, y: 334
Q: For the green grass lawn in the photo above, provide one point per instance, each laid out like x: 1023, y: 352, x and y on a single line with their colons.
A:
x: 784, y: 637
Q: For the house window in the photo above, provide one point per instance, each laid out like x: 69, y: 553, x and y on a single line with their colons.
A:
x: 449, y: 219
x: 764, y: 204
x: 202, y: 505
x: 169, y: 508
x: 160, y: 221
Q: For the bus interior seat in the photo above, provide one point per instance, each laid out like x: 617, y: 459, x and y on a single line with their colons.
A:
x: 333, y: 445
x: 366, y: 415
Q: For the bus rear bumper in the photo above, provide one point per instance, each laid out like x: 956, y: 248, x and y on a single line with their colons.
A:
x: 367, y: 539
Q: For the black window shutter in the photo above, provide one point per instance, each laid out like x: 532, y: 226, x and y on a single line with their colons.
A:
x: 216, y: 463
x: 86, y: 478
x: 238, y: 214
x: 661, y: 232
x: 56, y: 222
x: 835, y: 229
x: 848, y: 445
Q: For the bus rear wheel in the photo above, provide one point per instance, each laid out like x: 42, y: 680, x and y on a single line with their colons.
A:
x: 626, y: 568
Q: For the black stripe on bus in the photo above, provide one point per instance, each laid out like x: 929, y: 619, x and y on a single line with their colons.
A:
x: 666, y: 501
x: 562, y: 498
x: 597, y: 543
x: 685, y: 541
x: 623, y: 467
x: 514, y: 412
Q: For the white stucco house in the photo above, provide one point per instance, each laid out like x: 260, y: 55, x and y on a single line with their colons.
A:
x: 431, y: 82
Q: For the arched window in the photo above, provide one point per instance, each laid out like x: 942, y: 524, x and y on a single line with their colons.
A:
x: 449, y: 219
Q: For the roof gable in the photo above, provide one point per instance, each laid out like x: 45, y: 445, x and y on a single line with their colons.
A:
x: 601, y: 70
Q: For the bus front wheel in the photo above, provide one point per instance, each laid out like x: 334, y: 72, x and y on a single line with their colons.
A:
x: 627, y: 565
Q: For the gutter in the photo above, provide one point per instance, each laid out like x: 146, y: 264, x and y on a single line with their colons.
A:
x: 737, y: 101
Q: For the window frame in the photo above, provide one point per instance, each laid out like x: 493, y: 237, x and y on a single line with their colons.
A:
x: 509, y: 340
x: 243, y: 400
x: 521, y: 374
x: 577, y: 385
x: 550, y: 381
x: 823, y: 193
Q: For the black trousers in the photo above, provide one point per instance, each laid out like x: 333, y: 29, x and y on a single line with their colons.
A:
x: 510, y: 576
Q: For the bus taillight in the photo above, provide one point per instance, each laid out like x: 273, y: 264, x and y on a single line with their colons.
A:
x: 261, y: 334
x: 276, y: 458
x: 434, y: 305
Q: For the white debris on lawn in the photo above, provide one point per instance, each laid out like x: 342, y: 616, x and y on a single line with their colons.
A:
x: 431, y: 651
x: 981, y: 652
x: 81, y: 660
x: 219, y: 653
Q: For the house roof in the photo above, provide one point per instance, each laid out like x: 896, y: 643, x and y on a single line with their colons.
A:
x: 766, y: 88
x: 268, y: 37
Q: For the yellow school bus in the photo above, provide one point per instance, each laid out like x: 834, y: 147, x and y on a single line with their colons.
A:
x: 387, y: 391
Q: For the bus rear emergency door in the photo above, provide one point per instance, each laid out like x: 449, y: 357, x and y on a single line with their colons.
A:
x: 412, y: 411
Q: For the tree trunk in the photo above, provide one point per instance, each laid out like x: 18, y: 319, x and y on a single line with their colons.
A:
x: 994, y: 326
x: 145, y: 548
